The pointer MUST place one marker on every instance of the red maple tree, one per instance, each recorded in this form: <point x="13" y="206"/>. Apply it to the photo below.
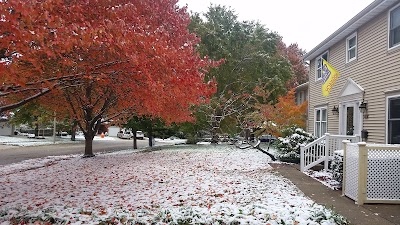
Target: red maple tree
<point x="102" y="59"/>
<point x="294" y="54"/>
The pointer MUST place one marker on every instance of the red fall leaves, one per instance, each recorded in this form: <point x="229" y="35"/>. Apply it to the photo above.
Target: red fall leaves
<point x="104" y="58"/>
<point x="140" y="51"/>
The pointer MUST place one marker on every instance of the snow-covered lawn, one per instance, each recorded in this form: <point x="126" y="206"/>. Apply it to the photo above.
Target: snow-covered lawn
<point x="173" y="141"/>
<point x="24" y="141"/>
<point x="179" y="185"/>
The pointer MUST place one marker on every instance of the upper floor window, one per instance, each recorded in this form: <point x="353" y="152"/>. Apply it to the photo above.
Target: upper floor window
<point x="394" y="27"/>
<point x="351" y="48"/>
<point x="319" y="65"/>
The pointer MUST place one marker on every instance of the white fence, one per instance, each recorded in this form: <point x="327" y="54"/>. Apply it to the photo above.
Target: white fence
<point x="322" y="149"/>
<point x="371" y="172"/>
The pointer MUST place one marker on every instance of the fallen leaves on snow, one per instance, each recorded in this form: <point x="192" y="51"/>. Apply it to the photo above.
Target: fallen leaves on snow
<point x="203" y="185"/>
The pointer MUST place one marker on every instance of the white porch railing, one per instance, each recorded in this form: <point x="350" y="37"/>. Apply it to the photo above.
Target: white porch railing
<point x="322" y="149"/>
<point x="371" y="173"/>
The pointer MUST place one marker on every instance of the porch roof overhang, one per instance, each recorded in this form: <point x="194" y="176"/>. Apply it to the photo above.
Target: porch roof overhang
<point x="351" y="91"/>
<point x="372" y="10"/>
<point x="302" y="87"/>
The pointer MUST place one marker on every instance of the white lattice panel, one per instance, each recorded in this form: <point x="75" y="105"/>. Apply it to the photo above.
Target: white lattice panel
<point x="383" y="177"/>
<point x="351" y="182"/>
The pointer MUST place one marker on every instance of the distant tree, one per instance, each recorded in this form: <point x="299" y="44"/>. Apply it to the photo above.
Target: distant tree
<point x="251" y="58"/>
<point x="102" y="60"/>
<point x="35" y="114"/>
<point x="32" y="115"/>
<point x="299" y="68"/>
<point x="144" y="123"/>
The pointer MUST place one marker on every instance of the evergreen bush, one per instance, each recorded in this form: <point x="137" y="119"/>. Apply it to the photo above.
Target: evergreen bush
<point x="337" y="168"/>
<point x="288" y="148"/>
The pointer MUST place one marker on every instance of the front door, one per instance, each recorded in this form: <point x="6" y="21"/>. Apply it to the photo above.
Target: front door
<point x="349" y="127"/>
<point x="350" y="119"/>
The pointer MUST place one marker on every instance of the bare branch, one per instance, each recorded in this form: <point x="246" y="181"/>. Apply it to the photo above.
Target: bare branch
<point x="24" y="101"/>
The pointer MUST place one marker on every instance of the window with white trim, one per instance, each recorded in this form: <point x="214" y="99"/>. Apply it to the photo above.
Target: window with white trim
<point x="393" y="120"/>
<point x="320" y="121"/>
<point x="394" y="27"/>
<point x="319" y="65"/>
<point x="301" y="97"/>
<point x="351" y="48"/>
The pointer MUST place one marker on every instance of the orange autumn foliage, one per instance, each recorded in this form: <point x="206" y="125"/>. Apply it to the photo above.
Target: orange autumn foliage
<point x="273" y="118"/>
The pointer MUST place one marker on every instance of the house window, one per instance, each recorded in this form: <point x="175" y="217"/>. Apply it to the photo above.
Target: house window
<point x="301" y="97"/>
<point x="320" y="122"/>
<point x="319" y="65"/>
<point x="351" y="47"/>
<point x="394" y="120"/>
<point x="394" y="27"/>
<point x="297" y="95"/>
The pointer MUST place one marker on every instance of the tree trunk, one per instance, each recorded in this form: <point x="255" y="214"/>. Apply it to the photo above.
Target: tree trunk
<point x="151" y="135"/>
<point x="134" y="140"/>
<point x="89" y="144"/>
<point x="73" y="131"/>
<point x="246" y="134"/>
<point x="37" y="129"/>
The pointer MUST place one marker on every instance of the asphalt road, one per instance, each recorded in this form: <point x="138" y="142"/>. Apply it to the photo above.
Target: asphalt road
<point x="13" y="154"/>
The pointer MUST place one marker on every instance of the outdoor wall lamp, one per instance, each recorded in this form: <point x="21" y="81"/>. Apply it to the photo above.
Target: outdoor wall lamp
<point x="335" y="110"/>
<point x="364" y="109"/>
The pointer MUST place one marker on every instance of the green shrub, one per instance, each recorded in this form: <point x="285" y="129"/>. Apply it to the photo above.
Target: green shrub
<point x="288" y="148"/>
<point x="337" y="168"/>
<point x="191" y="139"/>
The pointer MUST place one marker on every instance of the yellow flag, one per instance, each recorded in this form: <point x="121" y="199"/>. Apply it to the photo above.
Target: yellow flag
<point x="329" y="77"/>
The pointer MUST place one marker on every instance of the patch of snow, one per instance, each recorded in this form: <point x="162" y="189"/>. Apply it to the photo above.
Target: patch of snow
<point x="203" y="143"/>
<point x="173" y="141"/>
<point x="197" y="184"/>
<point x="339" y="152"/>
<point x="325" y="177"/>
<point x="25" y="141"/>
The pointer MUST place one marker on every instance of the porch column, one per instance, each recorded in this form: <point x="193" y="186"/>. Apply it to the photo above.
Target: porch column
<point x="327" y="151"/>
<point x="302" y="157"/>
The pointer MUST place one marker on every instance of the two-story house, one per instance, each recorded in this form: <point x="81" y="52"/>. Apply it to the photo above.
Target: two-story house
<point x="366" y="96"/>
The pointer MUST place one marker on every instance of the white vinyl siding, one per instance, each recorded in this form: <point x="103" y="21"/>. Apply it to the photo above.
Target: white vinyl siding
<point x="376" y="70"/>
<point x="320" y="123"/>
<point x="393" y="123"/>
<point x="394" y="27"/>
<point x="351" y="48"/>
<point x="319" y="65"/>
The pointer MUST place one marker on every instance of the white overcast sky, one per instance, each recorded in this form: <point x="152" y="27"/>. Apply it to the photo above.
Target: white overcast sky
<point x="305" y="22"/>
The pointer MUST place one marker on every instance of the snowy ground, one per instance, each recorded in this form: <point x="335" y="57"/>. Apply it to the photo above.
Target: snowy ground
<point x="180" y="185"/>
<point x="24" y="141"/>
<point x="325" y="177"/>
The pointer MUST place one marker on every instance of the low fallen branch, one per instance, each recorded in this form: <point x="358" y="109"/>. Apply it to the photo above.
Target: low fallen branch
<point x="263" y="151"/>
<point x="256" y="146"/>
